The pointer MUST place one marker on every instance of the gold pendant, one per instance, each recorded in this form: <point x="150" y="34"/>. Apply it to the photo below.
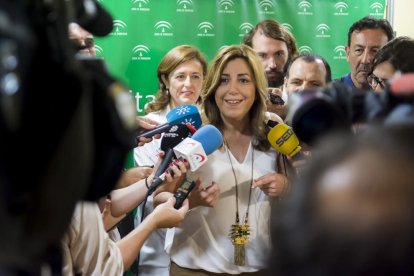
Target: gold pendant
<point x="239" y="235"/>
<point x="239" y="254"/>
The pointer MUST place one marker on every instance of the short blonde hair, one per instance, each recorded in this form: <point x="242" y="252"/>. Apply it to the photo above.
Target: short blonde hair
<point x="258" y="109"/>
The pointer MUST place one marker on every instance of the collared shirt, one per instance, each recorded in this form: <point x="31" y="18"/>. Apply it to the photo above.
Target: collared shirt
<point x="346" y="80"/>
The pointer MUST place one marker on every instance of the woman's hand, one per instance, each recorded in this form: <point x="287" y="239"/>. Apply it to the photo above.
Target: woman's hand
<point x="272" y="184"/>
<point x="207" y="197"/>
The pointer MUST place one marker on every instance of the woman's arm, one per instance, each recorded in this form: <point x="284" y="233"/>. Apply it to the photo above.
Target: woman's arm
<point x="163" y="216"/>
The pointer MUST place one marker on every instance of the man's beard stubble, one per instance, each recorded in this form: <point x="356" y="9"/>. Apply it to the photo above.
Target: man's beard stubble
<point x="276" y="79"/>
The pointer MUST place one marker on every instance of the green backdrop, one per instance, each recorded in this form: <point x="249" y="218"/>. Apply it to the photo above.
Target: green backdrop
<point x="144" y="30"/>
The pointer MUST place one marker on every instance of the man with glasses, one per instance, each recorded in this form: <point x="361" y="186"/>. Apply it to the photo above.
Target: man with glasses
<point x="365" y="38"/>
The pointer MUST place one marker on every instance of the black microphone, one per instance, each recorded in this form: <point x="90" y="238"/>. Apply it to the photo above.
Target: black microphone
<point x="183" y="114"/>
<point x="171" y="138"/>
<point x="195" y="150"/>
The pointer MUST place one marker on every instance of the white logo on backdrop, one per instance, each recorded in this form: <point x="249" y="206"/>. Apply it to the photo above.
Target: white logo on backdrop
<point x="185" y="6"/>
<point x="341" y="8"/>
<point x="376" y="7"/>
<point x="305" y="49"/>
<point x="288" y="27"/>
<point x="140" y="52"/>
<point x="140" y="5"/>
<point x="305" y="7"/>
<point x="226" y="6"/>
<point x="99" y="50"/>
<point x="205" y="29"/>
<point x="322" y="30"/>
<point x="119" y="28"/>
<point x="267" y="7"/>
<point x="340" y="52"/>
<point x="163" y="28"/>
<point x="245" y="28"/>
<point x="222" y="47"/>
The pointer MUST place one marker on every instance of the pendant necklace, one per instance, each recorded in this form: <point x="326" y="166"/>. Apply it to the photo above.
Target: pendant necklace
<point x="240" y="232"/>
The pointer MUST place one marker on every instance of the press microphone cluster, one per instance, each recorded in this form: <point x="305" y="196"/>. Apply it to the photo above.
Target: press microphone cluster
<point x="174" y="136"/>
<point x="194" y="149"/>
<point x="183" y="114"/>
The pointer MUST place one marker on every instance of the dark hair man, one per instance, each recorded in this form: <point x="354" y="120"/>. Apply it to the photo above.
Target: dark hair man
<point x="275" y="46"/>
<point x="365" y="38"/>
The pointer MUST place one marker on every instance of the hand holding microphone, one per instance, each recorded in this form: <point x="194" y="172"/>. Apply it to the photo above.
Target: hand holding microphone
<point x="183" y="114"/>
<point x="282" y="138"/>
<point x="171" y="138"/>
<point x="195" y="150"/>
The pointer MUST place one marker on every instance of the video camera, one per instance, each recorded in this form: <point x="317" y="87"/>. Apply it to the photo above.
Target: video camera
<point x="313" y="114"/>
<point x="66" y="126"/>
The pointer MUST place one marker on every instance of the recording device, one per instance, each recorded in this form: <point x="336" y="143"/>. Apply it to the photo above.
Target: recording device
<point x="313" y="114"/>
<point x="182" y="114"/>
<point x="210" y="139"/>
<point x="182" y="192"/>
<point x="283" y="139"/>
<point x="276" y="99"/>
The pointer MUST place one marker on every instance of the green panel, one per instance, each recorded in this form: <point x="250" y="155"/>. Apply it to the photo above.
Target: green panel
<point x="146" y="29"/>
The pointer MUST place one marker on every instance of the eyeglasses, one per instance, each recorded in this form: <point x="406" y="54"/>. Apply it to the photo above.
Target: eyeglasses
<point x="374" y="81"/>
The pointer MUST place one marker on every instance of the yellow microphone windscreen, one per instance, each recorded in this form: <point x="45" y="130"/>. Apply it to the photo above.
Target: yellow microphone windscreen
<point x="284" y="140"/>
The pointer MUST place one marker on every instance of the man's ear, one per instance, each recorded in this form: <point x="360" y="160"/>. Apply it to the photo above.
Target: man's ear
<point x="347" y="50"/>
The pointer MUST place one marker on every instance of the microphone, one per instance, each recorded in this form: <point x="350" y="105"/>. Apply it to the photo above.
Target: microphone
<point x="283" y="139"/>
<point x="183" y="114"/>
<point x="195" y="149"/>
<point x="209" y="137"/>
<point x="171" y="138"/>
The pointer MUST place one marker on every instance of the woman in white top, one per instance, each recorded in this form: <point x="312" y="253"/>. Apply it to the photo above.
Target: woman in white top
<point x="180" y="76"/>
<point x="233" y="237"/>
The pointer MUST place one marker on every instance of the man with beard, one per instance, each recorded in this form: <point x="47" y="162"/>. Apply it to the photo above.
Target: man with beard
<point x="275" y="46"/>
<point x="365" y="38"/>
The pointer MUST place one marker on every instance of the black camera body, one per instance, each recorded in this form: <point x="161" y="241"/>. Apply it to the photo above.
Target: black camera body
<point x="62" y="136"/>
<point x="313" y="114"/>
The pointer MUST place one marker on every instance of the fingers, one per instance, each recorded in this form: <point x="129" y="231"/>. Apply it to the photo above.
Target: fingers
<point x="142" y="141"/>
<point x="176" y="170"/>
<point x="184" y="207"/>
<point x="146" y="123"/>
<point x="273" y="184"/>
<point x="211" y="194"/>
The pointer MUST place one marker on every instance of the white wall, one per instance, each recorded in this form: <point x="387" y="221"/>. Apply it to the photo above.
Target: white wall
<point x="404" y="17"/>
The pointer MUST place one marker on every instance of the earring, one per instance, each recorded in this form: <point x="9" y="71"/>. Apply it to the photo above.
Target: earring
<point x="167" y="91"/>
